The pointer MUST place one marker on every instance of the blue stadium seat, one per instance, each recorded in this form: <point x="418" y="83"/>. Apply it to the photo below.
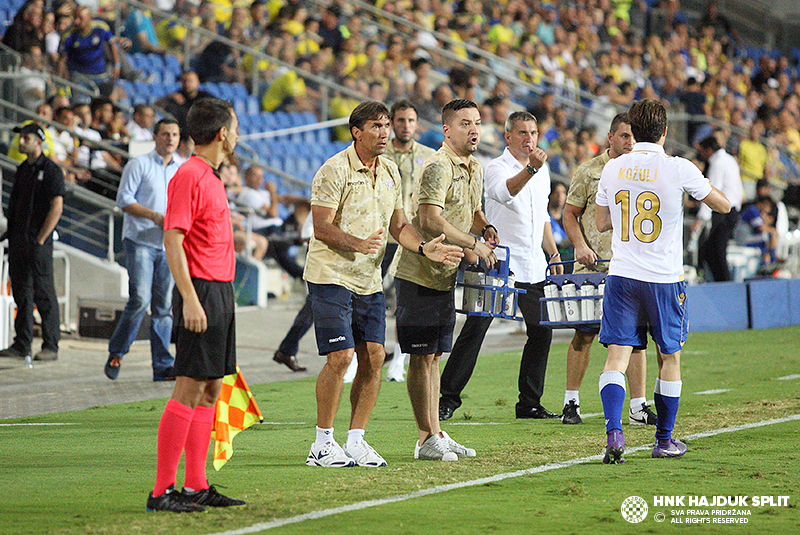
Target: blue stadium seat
<point x="172" y="64"/>
<point x="240" y="107"/>
<point x="239" y="90"/>
<point x="253" y="105"/>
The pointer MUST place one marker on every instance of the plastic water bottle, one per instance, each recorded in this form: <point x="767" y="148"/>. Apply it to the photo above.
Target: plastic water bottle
<point x="28" y="363"/>
<point x="571" y="310"/>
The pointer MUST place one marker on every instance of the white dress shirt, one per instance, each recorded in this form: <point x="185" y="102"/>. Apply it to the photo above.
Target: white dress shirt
<point x="519" y="219"/>
<point x="723" y="173"/>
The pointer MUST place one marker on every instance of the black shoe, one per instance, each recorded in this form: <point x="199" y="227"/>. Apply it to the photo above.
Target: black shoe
<point x="210" y="497"/>
<point x="570" y="414"/>
<point x="445" y="412"/>
<point x="46" y="354"/>
<point x="13" y="352"/>
<point x="289" y="360"/>
<point x="644" y="416"/>
<point x="113" y="364"/>
<point x="167" y="374"/>
<point x="535" y="413"/>
<point x="174" y="501"/>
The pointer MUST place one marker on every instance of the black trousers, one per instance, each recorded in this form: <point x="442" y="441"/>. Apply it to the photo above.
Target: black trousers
<point x="532" y="368"/>
<point x="31" y="272"/>
<point x="714" y="250"/>
<point x="302" y="323"/>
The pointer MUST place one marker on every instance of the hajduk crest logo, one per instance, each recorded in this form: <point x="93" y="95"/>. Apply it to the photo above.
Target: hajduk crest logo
<point x="634" y="509"/>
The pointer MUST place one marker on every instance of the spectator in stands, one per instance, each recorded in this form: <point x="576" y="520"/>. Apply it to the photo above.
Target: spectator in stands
<point x="34" y="208"/>
<point x="262" y="196"/>
<point x="102" y="110"/>
<point x="758" y="228"/>
<point x="139" y="28"/>
<point x="177" y="104"/>
<point x="431" y="110"/>
<point x="140" y="127"/>
<point x="259" y="20"/>
<point x="752" y="159"/>
<point x="32" y="85"/>
<point x="82" y="49"/>
<point x="142" y="195"/>
<point x="26" y="30"/>
<point x="329" y="29"/>
<point x="555" y="208"/>
<point x="185" y="148"/>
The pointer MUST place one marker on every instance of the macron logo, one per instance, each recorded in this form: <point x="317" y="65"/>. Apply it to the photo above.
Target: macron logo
<point x="337" y="339"/>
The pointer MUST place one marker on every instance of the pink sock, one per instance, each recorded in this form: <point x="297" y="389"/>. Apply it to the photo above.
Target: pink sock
<point x="196" y="447"/>
<point x="172" y="431"/>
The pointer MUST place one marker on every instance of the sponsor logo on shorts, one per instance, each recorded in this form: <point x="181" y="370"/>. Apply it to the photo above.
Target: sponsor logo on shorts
<point x="419" y="345"/>
<point x="341" y="338"/>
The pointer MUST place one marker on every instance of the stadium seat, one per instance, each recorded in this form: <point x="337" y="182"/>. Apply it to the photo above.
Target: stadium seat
<point x="172" y="64"/>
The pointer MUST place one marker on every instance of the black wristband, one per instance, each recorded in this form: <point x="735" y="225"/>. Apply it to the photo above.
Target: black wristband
<point x="487" y="227"/>
<point x="421" y="251"/>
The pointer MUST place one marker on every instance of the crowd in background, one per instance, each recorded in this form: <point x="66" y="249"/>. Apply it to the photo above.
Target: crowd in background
<point x="545" y="57"/>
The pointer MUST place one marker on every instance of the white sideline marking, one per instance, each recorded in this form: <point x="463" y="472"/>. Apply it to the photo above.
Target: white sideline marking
<point x="715" y="391"/>
<point x="263" y="526"/>
<point x="788" y="377"/>
<point x="282" y="423"/>
<point x="480" y="423"/>
<point x="39" y="424"/>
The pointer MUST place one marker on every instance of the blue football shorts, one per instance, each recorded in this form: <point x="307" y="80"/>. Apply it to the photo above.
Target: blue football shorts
<point x="630" y="307"/>
<point x="342" y="318"/>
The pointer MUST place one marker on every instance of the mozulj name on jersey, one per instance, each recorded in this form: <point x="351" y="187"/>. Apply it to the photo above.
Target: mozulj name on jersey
<point x="634" y="174"/>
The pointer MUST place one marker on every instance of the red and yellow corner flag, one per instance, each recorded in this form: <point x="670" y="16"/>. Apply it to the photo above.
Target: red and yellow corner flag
<point x="236" y="411"/>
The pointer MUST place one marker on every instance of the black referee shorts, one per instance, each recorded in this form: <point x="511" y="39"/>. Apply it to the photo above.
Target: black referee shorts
<point x="210" y="354"/>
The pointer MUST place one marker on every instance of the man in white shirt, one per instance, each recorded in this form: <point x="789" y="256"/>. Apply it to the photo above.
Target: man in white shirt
<point x="140" y="127"/>
<point x="640" y="197"/>
<point x="723" y="173"/>
<point x="517" y="186"/>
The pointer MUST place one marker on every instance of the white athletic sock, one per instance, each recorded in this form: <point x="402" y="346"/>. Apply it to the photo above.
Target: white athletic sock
<point x="636" y="404"/>
<point x="353" y="436"/>
<point x="571" y="395"/>
<point x="324" y="435"/>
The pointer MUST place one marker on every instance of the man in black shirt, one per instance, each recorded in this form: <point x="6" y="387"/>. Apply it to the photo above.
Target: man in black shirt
<point x="34" y="208"/>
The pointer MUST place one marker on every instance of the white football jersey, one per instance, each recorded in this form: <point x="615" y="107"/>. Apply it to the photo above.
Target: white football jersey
<point x="644" y="193"/>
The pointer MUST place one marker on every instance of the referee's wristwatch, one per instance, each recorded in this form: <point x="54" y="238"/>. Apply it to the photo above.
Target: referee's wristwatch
<point x="531" y="169"/>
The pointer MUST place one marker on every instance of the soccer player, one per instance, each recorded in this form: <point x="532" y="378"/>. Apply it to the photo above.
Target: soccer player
<point x="591" y="245"/>
<point x="640" y="197"/>
<point x="198" y="239"/>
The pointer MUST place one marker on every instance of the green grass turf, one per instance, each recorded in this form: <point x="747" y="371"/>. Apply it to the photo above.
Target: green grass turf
<point x="93" y="475"/>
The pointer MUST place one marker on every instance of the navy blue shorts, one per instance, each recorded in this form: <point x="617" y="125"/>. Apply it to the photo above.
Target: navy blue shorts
<point x="342" y="318"/>
<point x="425" y="319"/>
<point x="212" y="353"/>
<point x="631" y="306"/>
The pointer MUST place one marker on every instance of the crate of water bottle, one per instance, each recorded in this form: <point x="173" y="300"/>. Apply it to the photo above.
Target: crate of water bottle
<point x="490" y="292"/>
<point x="572" y="299"/>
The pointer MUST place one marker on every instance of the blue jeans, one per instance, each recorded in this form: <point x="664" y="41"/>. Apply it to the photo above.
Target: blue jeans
<point x="149" y="283"/>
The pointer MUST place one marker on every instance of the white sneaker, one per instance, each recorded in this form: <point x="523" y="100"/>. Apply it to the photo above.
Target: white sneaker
<point x="350" y="374"/>
<point x="396" y="369"/>
<point x="330" y="455"/>
<point x="364" y="454"/>
<point x="457" y="448"/>
<point x="434" y="449"/>
<point x="643" y="416"/>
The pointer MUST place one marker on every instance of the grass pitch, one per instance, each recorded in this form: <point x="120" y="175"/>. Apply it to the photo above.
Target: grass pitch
<point x="92" y="474"/>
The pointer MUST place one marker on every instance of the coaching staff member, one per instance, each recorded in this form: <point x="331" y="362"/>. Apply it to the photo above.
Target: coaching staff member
<point x="355" y="197"/>
<point x="34" y="208"/>
<point x="449" y="195"/>
<point x="198" y="239"/>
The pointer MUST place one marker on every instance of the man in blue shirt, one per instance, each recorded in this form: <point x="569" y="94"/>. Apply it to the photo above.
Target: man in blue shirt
<point x="81" y="51"/>
<point x="142" y="195"/>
